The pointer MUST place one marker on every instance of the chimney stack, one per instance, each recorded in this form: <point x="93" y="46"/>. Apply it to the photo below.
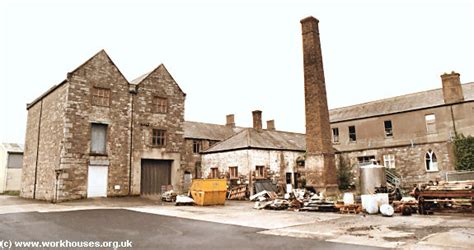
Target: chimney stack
<point x="271" y="125"/>
<point x="452" y="89"/>
<point x="257" y="119"/>
<point x="230" y="122"/>
<point x="320" y="163"/>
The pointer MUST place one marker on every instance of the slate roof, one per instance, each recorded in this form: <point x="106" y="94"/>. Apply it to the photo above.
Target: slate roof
<point x="265" y="139"/>
<point x="200" y="130"/>
<point x="414" y="101"/>
<point x="13" y="147"/>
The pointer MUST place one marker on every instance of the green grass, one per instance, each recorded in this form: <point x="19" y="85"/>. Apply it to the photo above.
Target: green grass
<point x="13" y="193"/>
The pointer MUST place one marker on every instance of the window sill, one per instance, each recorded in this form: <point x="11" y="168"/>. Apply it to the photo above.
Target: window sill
<point x="98" y="154"/>
<point x="432" y="171"/>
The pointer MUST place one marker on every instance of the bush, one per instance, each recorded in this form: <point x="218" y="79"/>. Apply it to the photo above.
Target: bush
<point x="464" y="152"/>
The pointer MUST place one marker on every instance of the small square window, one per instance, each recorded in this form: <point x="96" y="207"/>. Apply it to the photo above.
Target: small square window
<point x="100" y="97"/>
<point x="158" y="138"/>
<point x="430" y="123"/>
<point x="389" y="161"/>
<point x="260" y="172"/>
<point x="197" y="144"/>
<point x="160" y="105"/>
<point x="233" y="172"/>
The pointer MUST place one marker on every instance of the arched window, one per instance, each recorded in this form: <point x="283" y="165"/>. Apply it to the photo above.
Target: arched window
<point x="431" y="161"/>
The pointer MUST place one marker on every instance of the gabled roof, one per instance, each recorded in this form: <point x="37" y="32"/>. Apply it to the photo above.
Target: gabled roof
<point x="12" y="147"/>
<point x="49" y="91"/>
<point x="264" y="139"/>
<point x="141" y="78"/>
<point x="208" y="131"/>
<point x="409" y="102"/>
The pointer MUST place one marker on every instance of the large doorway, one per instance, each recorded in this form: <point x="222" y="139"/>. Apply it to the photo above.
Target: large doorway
<point x="155" y="174"/>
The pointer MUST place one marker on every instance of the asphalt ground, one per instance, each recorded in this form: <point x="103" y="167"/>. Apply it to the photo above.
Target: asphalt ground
<point x="147" y="231"/>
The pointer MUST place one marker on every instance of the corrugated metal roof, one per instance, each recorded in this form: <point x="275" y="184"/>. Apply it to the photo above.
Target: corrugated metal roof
<point x="13" y="147"/>
<point x="264" y="139"/>
<point x="414" y="101"/>
<point x="200" y="130"/>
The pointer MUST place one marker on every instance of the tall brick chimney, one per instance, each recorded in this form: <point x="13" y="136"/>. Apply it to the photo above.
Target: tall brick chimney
<point x="271" y="125"/>
<point x="320" y="163"/>
<point x="452" y="89"/>
<point x="230" y="122"/>
<point x="257" y="119"/>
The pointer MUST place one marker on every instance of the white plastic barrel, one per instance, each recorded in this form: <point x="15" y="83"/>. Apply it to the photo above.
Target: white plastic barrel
<point x="370" y="203"/>
<point x="386" y="210"/>
<point x="382" y="198"/>
<point x="348" y="198"/>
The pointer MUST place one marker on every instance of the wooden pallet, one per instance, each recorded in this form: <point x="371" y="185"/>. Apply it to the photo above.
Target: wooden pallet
<point x="350" y="209"/>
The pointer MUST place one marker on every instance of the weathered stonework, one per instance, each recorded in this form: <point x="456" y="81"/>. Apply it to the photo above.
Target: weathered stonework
<point x="61" y="120"/>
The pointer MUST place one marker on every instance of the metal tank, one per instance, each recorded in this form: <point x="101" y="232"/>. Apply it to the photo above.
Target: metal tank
<point x="372" y="176"/>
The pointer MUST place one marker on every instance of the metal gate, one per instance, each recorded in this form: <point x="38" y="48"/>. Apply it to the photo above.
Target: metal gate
<point x="155" y="173"/>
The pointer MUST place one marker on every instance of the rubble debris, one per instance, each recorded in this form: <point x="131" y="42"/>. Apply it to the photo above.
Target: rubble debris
<point x="264" y="196"/>
<point x="237" y="193"/>
<point x="261" y="185"/>
<point x="450" y="196"/>
<point x="169" y="196"/>
<point x="319" y="203"/>
<point x="406" y="206"/>
<point x="350" y="209"/>
<point x="277" y="204"/>
<point x="184" y="200"/>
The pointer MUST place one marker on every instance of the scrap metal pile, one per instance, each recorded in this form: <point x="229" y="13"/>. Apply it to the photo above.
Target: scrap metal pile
<point x="296" y="200"/>
<point x="445" y="196"/>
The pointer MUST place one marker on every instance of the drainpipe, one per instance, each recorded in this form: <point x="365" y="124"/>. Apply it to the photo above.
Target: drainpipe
<point x="133" y="92"/>
<point x="37" y="149"/>
<point x="452" y="120"/>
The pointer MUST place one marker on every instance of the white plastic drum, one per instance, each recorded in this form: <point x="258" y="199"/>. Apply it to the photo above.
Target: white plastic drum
<point x="348" y="198"/>
<point x="386" y="210"/>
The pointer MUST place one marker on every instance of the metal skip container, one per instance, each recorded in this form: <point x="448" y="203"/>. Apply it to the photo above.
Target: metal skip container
<point x="372" y="176"/>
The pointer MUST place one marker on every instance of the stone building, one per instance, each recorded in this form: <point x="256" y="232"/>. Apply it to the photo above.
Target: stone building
<point x="11" y="162"/>
<point x="95" y="134"/>
<point x="256" y="153"/>
<point x="410" y="134"/>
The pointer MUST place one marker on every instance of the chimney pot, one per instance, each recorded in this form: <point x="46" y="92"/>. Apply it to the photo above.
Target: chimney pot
<point x="230" y="122"/>
<point x="271" y="125"/>
<point x="257" y="119"/>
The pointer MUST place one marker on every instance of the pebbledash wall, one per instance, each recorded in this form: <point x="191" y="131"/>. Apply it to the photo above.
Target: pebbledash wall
<point x="58" y="136"/>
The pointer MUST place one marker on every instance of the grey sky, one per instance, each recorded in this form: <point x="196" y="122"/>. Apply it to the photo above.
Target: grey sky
<point x="235" y="57"/>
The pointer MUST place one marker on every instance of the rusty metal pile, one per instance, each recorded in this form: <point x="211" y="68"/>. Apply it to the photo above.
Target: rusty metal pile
<point x="445" y="196"/>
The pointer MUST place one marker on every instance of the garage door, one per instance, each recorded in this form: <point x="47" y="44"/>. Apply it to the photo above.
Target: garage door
<point x="155" y="173"/>
<point x="97" y="181"/>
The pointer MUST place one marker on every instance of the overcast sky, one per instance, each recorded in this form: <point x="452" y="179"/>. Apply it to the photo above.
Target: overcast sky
<point x="235" y="57"/>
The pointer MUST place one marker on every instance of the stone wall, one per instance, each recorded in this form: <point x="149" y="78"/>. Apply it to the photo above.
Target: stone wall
<point x="99" y="71"/>
<point x="49" y="113"/>
<point x="277" y="163"/>
<point x="158" y="83"/>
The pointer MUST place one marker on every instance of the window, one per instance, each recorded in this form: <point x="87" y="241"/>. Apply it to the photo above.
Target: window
<point x="389" y="161"/>
<point x="260" y="172"/>
<point x="352" y="134"/>
<point x="214" y="173"/>
<point x="158" y="137"/>
<point x="431" y="161"/>
<point x="100" y="97"/>
<point x="233" y="173"/>
<point x="364" y="160"/>
<point x="98" y="138"/>
<point x="15" y="160"/>
<point x="197" y="146"/>
<point x="388" y="128"/>
<point x="197" y="169"/>
<point x="160" y="105"/>
<point x="430" y="123"/>
<point x="335" y="135"/>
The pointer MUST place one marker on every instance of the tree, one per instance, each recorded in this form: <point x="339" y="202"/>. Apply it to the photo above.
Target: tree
<point x="464" y="152"/>
<point x="344" y="174"/>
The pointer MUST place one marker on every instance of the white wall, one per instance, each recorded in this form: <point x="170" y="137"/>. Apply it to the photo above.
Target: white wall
<point x="3" y="169"/>
<point x="247" y="159"/>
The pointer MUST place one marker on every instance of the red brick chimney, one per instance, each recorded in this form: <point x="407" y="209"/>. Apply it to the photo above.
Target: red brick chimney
<point x="230" y="122"/>
<point x="452" y="89"/>
<point x="257" y="119"/>
<point x="320" y="163"/>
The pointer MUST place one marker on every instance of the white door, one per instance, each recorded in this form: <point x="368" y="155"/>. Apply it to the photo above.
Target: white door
<point x="97" y="181"/>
